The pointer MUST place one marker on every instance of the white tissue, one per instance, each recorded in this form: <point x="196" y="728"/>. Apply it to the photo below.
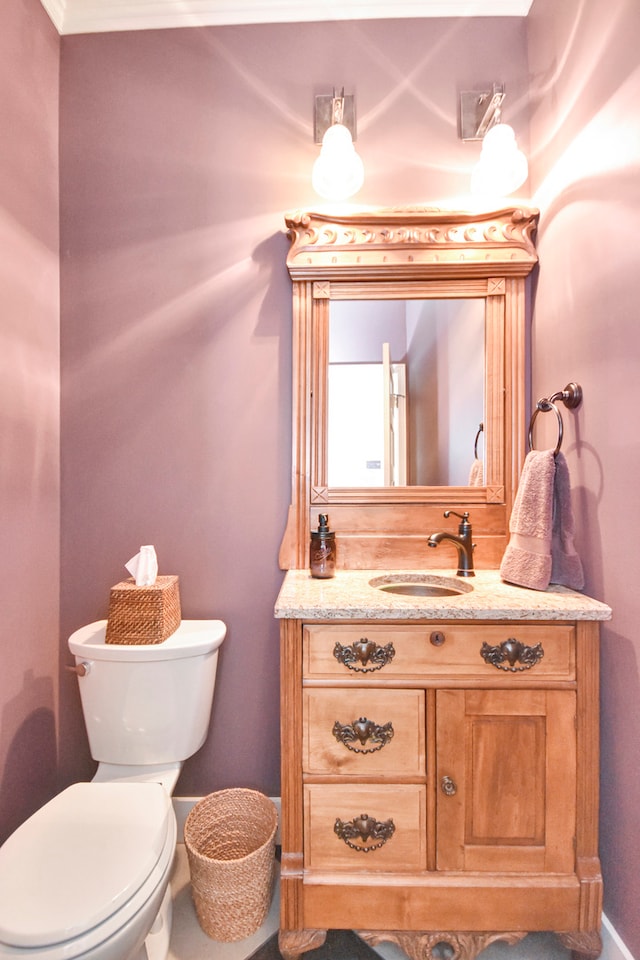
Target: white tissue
<point x="144" y="566"/>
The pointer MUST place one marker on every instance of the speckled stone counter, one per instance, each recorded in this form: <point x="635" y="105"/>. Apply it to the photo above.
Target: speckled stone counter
<point x="350" y="596"/>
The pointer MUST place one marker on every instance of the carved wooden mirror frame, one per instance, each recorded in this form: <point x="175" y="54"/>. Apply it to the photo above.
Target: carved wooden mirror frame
<point x="407" y="254"/>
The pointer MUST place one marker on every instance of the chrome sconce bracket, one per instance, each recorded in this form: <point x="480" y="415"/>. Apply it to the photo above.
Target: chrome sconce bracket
<point x="479" y="111"/>
<point x="325" y="114"/>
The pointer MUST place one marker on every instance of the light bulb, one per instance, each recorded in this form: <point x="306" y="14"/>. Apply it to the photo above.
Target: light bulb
<point x="502" y="167"/>
<point x="338" y="172"/>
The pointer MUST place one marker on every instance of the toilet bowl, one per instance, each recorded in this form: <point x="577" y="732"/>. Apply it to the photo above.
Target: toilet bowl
<point x="87" y="876"/>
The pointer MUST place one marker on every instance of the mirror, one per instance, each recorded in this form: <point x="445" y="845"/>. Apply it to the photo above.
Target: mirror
<point x="405" y="392"/>
<point x="408" y="334"/>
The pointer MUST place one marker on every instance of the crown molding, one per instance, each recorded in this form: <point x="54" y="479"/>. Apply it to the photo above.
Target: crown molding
<point x="411" y="242"/>
<point x="103" y="16"/>
<point x="55" y="9"/>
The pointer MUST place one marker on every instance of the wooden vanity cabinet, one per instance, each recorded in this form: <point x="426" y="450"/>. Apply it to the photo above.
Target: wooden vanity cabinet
<point x="439" y="756"/>
<point x="439" y="783"/>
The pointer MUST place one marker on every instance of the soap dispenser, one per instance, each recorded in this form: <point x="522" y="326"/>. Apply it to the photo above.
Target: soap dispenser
<point x="322" y="551"/>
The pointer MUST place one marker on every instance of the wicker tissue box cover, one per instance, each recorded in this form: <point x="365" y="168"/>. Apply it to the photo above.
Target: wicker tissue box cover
<point x="143" y="614"/>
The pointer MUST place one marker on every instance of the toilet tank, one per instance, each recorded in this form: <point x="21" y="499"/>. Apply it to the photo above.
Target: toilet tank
<point x="147" y="703"/>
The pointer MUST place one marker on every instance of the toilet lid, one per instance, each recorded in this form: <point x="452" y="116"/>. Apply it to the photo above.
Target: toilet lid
<point x="79" y="859"/>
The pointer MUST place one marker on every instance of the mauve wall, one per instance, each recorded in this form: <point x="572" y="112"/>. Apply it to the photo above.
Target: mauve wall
<point x="585" y="137"/>
<point x="180" y="152"/>
<point x="29" y="410"/>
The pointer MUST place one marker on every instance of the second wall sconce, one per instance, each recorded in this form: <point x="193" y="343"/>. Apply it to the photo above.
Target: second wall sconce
<point x="338" y="172"/>
<point x="502" y="167"/>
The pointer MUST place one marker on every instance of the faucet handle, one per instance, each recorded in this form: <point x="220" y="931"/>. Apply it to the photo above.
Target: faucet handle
<point x="463" y="516"/>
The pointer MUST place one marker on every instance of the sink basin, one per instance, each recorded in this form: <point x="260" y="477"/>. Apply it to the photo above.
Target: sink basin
<point x="421" y="585"/>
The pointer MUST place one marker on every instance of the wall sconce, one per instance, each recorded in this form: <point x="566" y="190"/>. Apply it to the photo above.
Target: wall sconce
<point x="502" y="167"/>
<point x="338" y="172"/>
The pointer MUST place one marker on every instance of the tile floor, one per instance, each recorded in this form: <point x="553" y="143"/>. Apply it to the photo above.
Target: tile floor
<point x="189" y="942"/>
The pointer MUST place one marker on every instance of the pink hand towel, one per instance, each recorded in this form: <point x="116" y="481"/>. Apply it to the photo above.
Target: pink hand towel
<point x="566" y="567"/>
<point x="527" y="559"/>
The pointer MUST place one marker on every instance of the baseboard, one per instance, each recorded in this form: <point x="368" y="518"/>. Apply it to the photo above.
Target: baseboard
<point x="183" y="805"/>
<point x="613" y="947"/>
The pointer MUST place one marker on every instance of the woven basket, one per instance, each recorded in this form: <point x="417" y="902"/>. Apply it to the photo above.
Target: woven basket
<point x="143" y="614"/>
<point x="230" y="841"/>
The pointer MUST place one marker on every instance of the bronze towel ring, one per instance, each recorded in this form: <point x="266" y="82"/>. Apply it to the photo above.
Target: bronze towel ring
<point x="475" y="443"/>
<point x="545" y="405"/>
<point x="571" y="396"/>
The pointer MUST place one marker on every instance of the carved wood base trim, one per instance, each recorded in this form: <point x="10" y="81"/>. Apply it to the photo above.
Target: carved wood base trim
<point x="292" y="943"/>
<point x="447" y="945"/>
<point x="584" y="944"/>
<point x="439" y="945"/>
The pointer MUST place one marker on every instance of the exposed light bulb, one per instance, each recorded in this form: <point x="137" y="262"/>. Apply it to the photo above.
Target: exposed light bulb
<point x="338" y="172"/>
<point x="502" y="167"/>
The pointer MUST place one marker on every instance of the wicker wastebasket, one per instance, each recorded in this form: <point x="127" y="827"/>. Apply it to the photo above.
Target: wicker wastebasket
<point x="230" y="841"/>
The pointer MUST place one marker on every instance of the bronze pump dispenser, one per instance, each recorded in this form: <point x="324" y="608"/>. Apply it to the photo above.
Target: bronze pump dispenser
<point x="322" y="550"/>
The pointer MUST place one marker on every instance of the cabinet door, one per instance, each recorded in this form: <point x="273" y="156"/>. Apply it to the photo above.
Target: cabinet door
<point x="506" y="780"/>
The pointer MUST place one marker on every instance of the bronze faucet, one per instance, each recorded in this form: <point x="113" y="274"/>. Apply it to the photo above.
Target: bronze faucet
<point x="462" y="542"/>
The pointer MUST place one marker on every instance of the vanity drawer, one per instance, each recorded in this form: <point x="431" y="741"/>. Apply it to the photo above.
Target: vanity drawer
<point x="388" y="821"/>
<point x="362" y="732"/>
<point x="510" y="652"/>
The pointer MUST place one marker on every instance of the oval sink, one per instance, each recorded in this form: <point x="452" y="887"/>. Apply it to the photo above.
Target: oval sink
<point x="419" y="590"/>
<point x="420" y="585"/>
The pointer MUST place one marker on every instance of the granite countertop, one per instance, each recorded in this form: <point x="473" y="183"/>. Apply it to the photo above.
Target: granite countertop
<point x="349" y="595"/>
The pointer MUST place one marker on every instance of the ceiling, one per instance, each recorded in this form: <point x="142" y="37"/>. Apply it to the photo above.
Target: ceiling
<point x="100" y="16"/>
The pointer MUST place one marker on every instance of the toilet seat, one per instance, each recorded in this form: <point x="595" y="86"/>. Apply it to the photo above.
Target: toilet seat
<point x="82" y="866"/>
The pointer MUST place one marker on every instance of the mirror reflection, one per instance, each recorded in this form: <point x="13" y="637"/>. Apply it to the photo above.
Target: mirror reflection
<point x="406" y="392"/>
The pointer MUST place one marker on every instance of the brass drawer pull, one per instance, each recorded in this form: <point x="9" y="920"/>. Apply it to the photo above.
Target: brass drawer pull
<point x="365" y="828"/>
<point x="448" y="787"/>
<point x="513" y="652"/>
<point x="363" y="652"/>
<point x="363" y="730"/>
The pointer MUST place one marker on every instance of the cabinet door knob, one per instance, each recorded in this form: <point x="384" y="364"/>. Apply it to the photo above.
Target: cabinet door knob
<point x="437" y="638"/>
<point x="448" y="787"/>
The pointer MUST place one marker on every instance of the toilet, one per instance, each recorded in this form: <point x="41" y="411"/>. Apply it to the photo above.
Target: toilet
<point x="87" y="876"/>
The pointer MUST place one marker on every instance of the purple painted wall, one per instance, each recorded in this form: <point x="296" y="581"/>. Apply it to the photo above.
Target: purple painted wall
<point x="29" y="410"/>
<point x="585" y="133"/>
<point x="180" y="152"/>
